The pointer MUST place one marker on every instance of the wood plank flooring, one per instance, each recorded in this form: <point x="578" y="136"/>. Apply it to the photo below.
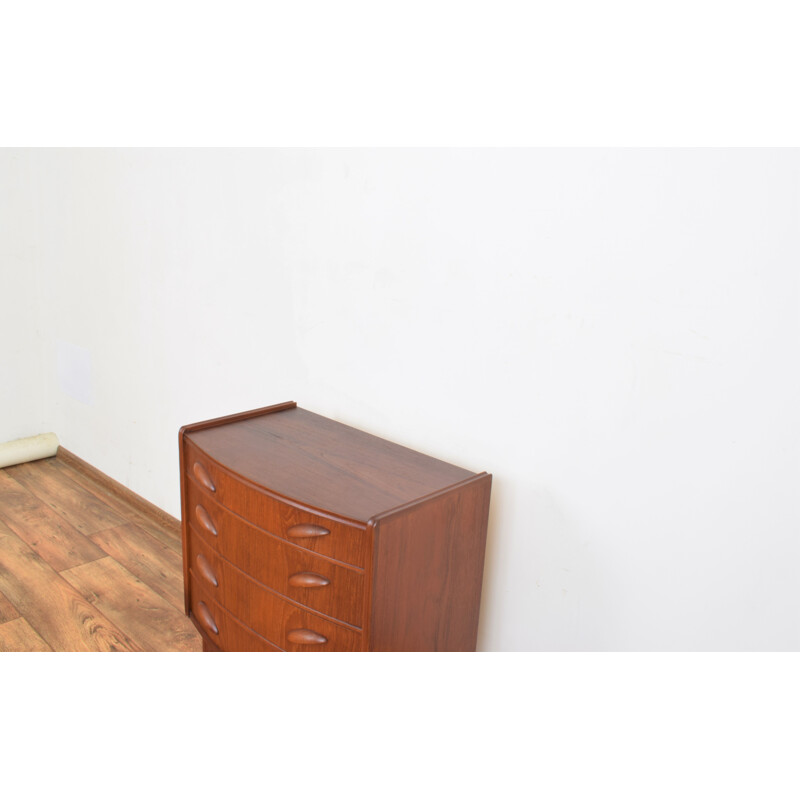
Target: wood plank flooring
<point x="81" y="569"/>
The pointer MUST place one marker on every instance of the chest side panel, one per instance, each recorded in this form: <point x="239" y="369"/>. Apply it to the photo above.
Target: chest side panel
<point x="428" y="571"/>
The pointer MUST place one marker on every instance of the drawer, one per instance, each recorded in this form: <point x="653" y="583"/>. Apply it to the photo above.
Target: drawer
<point x="282" y="623"/>
<point x="320" y="534"/>
<point x="311" y="580"/>
<point x="225" y="631"/>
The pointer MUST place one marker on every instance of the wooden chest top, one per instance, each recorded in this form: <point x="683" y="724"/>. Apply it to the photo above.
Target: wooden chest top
<point x="323" y="463"/>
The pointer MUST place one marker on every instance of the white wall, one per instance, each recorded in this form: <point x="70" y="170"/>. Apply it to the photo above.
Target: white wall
<point x="21" y="376"/>
<point x="612" y="334"/>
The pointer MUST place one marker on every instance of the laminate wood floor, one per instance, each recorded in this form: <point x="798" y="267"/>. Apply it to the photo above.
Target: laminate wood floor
<point x="81" y="569"/>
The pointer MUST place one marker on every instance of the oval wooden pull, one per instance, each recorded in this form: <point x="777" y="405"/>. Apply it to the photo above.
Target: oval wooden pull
<point x="204" y="518"/>
<point x="307" y="580"/>
<point x="305" y="530"/>
<point x="201" y="473"/>
<point x="304" y="636"/>
<point x="204" y="615"/>
<point x="206" y="570"/>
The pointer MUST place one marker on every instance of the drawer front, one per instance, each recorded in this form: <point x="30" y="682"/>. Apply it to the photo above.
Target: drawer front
<point x="222" y="629"/>
<point x="339" y="540"/>
<point x="280" y="622"/>
<point x="308" y="579"/>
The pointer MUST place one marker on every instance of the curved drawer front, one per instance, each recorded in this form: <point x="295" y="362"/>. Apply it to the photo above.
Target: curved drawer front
<point x="301" y="576"/>
<point x="222" y="629"/>
<point x="269" y="615"/>
<point x="328" y="537"/>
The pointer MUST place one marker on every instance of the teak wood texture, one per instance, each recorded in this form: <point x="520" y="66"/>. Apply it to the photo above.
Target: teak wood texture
<point x="86" y="565"/>
<point x="301" y="533"/>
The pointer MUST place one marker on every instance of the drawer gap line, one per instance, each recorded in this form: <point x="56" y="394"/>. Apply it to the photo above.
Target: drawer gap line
<point x="278" y="594"/>
<point x="308" y="509"/>
<point x="299" y="547"/>
<point x="225" y="612"/>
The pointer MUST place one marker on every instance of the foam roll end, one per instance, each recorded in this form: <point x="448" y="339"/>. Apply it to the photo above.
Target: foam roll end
<point x="45" y="445"/>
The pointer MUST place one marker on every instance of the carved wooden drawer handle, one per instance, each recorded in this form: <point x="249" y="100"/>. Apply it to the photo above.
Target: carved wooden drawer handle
<point x="305" y="530"/>
<point x="304" y="636"/>
<point x="204" y="518"/>
<point x="201" y="473"/>
<point x="204" y="615"/>
<point x="206" y="570"/>
<point x="307" y="580"/>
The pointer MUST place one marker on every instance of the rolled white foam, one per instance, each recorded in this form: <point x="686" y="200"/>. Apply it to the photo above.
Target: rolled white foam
<point x="34" y="447"/>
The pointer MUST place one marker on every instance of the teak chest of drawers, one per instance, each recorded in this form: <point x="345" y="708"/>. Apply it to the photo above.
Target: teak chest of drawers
<point x="300" y="533"/>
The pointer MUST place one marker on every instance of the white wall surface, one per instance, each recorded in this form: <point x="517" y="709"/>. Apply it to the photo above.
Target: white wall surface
<point x="613" y="334"/>
<point x="21" y="376"/>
